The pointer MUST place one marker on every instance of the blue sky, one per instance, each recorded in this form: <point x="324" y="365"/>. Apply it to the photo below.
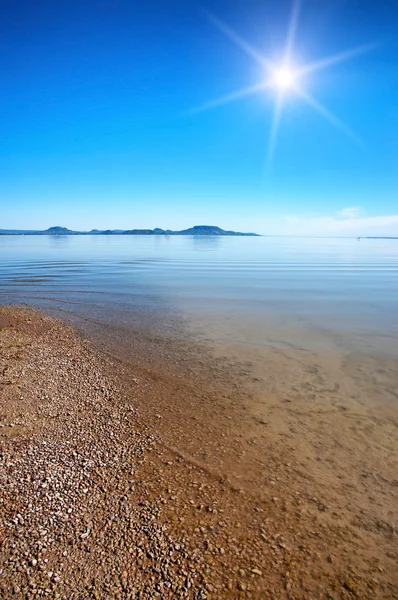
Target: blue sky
<point x="99" y="130"/>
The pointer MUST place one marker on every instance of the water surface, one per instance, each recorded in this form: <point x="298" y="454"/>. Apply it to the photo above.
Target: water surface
<point x="248" y="291"/>
<point x="269" y="361"/>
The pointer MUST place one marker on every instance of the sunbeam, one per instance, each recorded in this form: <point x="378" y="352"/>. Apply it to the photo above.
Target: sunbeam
<point x="276" y="118"/>
<point x="336" y="58"/>
<point x="233" y="97"/>
<point x="240" y="42"/>
<point x="291" y="34"/>
<point x="329" y="116"/>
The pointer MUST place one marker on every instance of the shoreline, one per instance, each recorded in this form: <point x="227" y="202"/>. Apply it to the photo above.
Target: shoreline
<point x="159" y="471"/>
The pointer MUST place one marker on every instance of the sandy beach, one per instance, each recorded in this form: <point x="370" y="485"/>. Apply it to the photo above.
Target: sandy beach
<point x="173" y="476"/>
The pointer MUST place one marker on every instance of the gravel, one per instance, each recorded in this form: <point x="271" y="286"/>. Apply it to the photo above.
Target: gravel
<point x="69" y="528"/>
<point x="94" y="504"/>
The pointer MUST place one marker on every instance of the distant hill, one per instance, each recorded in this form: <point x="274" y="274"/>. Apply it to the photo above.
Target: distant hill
<point x="57" y="231"/>
<point x="202" y="230"/>
<point x="197" y="230"/>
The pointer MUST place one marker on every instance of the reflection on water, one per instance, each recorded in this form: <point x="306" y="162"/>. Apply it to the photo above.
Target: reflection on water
<point x="208" y="242"/>
<point x="234" y="290"/>
<point x="59" y="240"/>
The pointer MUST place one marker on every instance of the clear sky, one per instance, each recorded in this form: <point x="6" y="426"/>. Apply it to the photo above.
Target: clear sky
<point x="99" y="128"/>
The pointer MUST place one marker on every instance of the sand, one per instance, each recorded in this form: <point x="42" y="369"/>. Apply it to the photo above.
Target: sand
<point x="177" y="475"/>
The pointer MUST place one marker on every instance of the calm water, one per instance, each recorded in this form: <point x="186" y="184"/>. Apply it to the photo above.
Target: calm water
<point x="245" y="290"/>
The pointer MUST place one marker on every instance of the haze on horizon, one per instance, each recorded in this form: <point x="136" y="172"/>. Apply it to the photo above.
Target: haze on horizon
<point x="99" y="126"/>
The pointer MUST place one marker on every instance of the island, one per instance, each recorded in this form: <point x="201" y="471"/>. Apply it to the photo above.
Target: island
<point x="197" y="230"/>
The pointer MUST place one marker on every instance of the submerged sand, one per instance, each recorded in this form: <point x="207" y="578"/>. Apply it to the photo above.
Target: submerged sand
<point x="174" y="477"/>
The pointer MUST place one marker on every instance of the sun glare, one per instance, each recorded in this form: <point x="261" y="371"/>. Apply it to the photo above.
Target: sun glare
<point x="284" y="78"/>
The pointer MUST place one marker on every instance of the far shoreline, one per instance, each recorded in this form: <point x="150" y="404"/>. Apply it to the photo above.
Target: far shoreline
<point x="196" y="230"/>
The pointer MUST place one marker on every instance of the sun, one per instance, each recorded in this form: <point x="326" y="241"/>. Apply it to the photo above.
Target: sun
<point x="284" y="78"/>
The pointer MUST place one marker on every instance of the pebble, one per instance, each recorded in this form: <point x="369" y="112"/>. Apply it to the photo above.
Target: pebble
<point x="79" y="523"/>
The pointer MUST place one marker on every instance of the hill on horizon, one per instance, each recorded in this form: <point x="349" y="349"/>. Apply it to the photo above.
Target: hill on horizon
<point x="197" y="230"/>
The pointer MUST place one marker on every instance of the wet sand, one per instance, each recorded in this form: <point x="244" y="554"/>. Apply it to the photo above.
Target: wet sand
<point x="190" y="470"/>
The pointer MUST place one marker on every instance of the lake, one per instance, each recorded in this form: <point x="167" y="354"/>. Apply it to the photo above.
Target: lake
<point x="270" y="363"/>
<point x="245" y="290"/>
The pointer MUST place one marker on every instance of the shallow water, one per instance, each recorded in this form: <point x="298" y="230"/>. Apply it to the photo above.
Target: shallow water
<point x="245" y="291"/>
<point x="268" y="363"/>
<point x="296" y="353"/>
